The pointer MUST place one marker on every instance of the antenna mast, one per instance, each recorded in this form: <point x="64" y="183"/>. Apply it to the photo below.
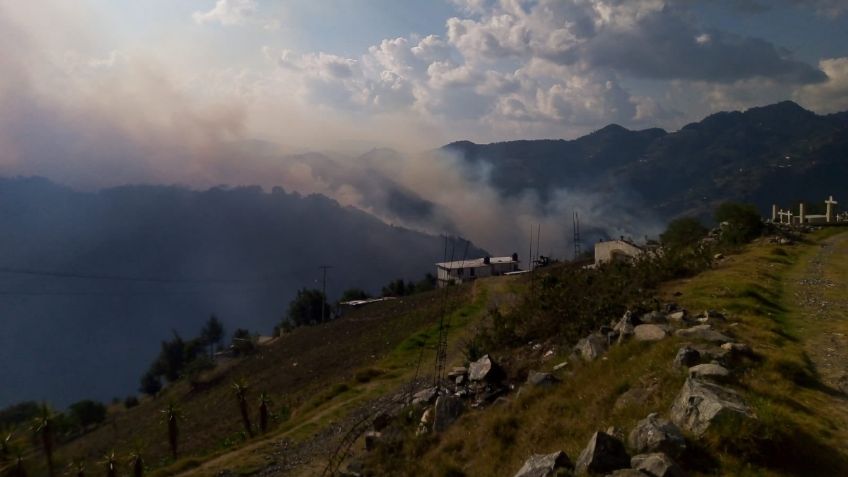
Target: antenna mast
<point x="577" y="242"/>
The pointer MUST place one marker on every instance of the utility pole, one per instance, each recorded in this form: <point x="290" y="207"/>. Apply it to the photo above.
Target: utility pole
<point x="577" y="241"/>
<point x="324" y="268"/>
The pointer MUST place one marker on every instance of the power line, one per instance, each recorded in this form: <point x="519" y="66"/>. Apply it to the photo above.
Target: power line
<point x="129" y="278"/>
<point x="129" y="293"/>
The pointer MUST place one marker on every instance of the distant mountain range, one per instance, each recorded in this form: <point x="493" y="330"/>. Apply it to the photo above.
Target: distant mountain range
<point x="779" y="153"/>
<point x="167" y="257"/>
<point x="91" y="282"/>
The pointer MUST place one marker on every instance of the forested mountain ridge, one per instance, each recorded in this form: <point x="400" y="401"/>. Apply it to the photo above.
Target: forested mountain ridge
<point x="88" y="275"/>
<point x="763" y="155"/>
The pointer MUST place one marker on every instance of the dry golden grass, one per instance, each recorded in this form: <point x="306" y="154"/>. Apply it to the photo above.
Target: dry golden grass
<point x="802" y="426"/>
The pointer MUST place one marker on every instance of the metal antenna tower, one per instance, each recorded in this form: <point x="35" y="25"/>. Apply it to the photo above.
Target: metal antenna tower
<point x="324" y="268"/>
<point x="575" y="220"/>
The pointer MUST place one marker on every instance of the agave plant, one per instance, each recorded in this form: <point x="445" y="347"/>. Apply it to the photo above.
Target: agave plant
<point x="264" y="403"/>
<point x="137" y="464"/>
<point x="240" y="387"/>
<point x="111" y="464"/>
<point x="44" y="428"/>
<point x="172" y="417"/>
<point x="20" y="469"/>
<point x="6" y="445"/>
<point x="77" y="468"/>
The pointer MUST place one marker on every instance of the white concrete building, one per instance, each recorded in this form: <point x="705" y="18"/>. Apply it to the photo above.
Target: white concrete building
<point x="460" y="271"/>
<point x="620" y="250"/>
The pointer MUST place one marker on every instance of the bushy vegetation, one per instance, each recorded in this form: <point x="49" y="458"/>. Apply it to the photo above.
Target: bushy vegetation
<point x="567" y="302"/>
<point x="740" y="223"/>
<point x="179" y="358"/>
<point x="400" y="288"/>
<point x="682" y="233"/>
<point x="307" y="308"/>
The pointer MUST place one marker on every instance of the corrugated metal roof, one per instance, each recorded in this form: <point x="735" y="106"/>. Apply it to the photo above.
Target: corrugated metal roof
<point x="475" y="263"/>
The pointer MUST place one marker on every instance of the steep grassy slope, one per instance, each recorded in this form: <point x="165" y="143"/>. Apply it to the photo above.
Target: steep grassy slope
<point x="322" y="376"/>
<point x="303" y="371"/>
<point x="802" y="420"/>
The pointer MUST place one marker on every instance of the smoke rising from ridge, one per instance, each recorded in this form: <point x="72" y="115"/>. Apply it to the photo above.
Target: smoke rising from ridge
<point x="98" y="121"/>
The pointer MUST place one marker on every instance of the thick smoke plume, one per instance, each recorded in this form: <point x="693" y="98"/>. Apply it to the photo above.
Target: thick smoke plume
<point x="122" y="118"/>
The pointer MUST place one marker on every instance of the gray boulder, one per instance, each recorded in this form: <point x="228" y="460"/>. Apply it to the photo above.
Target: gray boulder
<point x="603" y="454"/>
<point x="654" y="318"/>
<point x="686" y="357"/>
<point x="656" y="465"/>
<point x="485" y="369"/>
<point x="703" y="333"/>
<point x="842" y="383"/>
<point x="536" y="378"/>
<point x="700" y="404"/>
<point x="591" y="347"/>
<point x="457" y="371"/>
<point x="738" y="349"/>
<point x="544" y="465"/>
<point x="679" y="316"/>
<point x="650" y="332"/>
<point x="424" y="396"/>
<point x="655" y="434"/>
<point x="709" y="371"/>
<point x="627" y="473"/>
<point x="446" y="411"/>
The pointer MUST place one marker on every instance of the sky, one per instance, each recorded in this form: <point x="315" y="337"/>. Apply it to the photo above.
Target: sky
<point x="332" y="74"/>
<point x="97" y="93"/>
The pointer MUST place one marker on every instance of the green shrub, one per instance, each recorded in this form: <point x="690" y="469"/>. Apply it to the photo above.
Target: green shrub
<point x="366" y="375"/>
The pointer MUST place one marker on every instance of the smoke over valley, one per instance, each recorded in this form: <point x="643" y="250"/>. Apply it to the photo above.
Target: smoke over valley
<point x="164" y="161"/>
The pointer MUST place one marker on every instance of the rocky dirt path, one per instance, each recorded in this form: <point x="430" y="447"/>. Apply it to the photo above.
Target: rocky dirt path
<point x="819" y="296"/>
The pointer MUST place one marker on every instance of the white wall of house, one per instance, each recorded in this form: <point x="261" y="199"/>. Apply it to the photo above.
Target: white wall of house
<point x="615" y="250"/>
<point x="458" y="272"/>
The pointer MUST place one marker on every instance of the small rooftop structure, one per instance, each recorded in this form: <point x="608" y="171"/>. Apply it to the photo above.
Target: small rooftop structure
<point x="460" y="271"/>
<point x="367" y="301"/>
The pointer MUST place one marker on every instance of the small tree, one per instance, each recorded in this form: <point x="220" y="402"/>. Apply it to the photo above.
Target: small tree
<point x="398" y="288"/>
<point x="150" y="384"/>
<point x="426" y="284"/>
<point x="243" y="342"/>
<point x="212" y="334"/>
<point x="87" y="412"/>
<point x="743" y="222"/>
<point x="130" y="402"/>
<point x="352" y="294"/>
<point x="306" y="307"/>
<point x="683" y="232"/>
<point x="240" y="388"/>
<point x="171" y="358"/>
